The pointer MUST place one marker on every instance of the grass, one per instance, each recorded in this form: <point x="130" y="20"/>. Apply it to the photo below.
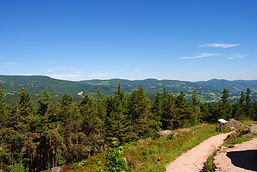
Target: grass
<point x="209" y="166"/>
<point x="248" y="122"/>
<point x="144" y="156"/>
<point x="239" y="139"/>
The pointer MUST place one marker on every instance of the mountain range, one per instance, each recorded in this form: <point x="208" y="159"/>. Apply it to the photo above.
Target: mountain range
<point x="207" y="90"/>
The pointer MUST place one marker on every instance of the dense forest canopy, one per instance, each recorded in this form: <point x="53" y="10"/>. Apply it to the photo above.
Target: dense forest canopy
<point x="39" y="136"/>
<point x="207" y="90"/>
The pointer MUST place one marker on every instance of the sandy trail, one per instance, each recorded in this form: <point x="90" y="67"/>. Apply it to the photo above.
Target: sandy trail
<point x="242" y="157"/>
<point x="194" y="159"/>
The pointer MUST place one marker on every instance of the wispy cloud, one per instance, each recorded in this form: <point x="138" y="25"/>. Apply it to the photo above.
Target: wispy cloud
<point x="7" y="65"/>
<point x="202" y="55"/>
<point x="236" y="56"/>
<point x="101" y="75"/>
<point x="67" y="76"/>
<point x="59" y="68"/>
<point x="219" y="45"/>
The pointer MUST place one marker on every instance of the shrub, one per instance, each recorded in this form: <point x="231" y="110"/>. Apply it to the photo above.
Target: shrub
<point x="115" y="157"/>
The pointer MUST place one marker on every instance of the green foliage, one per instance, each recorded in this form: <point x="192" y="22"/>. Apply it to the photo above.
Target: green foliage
<point x="209" y="166"/>
<point x="208" y="90"/>
<point x="115" y="158"/>
<point x="50" y="133"/>
<point x="19" y="168"/>
<point x="139" y="111"/>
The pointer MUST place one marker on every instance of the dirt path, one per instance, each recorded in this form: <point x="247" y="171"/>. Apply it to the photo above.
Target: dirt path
<point x="194" y="159"/>
<point x="242" y="157"/>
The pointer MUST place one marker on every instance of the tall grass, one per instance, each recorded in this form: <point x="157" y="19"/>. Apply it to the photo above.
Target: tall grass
<point x="144" y="157"/>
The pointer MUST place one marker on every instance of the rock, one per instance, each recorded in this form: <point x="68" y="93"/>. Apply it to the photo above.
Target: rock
<point x="232" y="135"/>
<point x="56" y="169"/>
<point x="253" y="128"/>
<point x="163" y="133"/>
<point x="233" y="124"/>
<point x="184" y="130"/>
<point x="141" y="141"/>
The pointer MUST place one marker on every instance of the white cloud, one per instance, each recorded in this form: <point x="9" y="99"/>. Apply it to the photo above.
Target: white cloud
<point x="219" y="45"/>
<point x="101" y="75"/>
<point x="7" y="65"/>
<point x="59" y="68"/>
<point x="202" y="55"/>
<point x="236" y="56"/>
<point x="67" y="76"/>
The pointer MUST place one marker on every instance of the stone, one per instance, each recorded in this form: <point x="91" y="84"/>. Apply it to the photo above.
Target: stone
<point x="233" y="124"/>
<point x="163" y="133"/>
<point x="253" y="128"/>
<point x="56" y="169"/>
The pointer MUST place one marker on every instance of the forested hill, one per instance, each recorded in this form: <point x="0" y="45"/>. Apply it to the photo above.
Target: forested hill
<point x="207" y="90"/>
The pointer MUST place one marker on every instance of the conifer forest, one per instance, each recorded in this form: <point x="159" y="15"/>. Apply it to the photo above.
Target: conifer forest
<point x="49" y="133"/>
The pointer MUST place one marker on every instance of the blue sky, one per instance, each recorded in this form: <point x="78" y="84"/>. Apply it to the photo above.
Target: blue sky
<point x="130" y="39"/>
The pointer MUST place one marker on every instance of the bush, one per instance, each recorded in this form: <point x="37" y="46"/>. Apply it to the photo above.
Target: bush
<point x="115" y="157"/>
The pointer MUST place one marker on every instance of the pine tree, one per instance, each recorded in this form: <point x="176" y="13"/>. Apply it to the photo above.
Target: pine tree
<point x="52" y="141"/>
<point x="242" y="99"/>
<point x="117" y="122"/>
<point x="92" y="112"/>
<point x="168" y="111"/>
<point x="3" y="111"/>
<point x="140" y="113"/>
<point x="195" y="110"/>
<point x="25" y="105"/>
<point x="249" y="110"/>
<point x="239" y="108"/>
<point x="28" y="123"/>
<point x="225" y="110"/>
<point x="181" y="115"/>
<point x="195" y="99"/>
<point x="157" y="109"/>
<point x="71" y="121"/>
<point x="44" y="101"/>
<point x="7" y="135"/>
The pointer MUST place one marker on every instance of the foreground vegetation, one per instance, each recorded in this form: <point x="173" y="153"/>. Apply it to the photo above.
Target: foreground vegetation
<point x="47" y="134"/>
<point x="152" y="155"/>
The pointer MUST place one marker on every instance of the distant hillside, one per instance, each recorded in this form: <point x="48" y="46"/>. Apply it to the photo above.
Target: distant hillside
<point x="208" y="90"/>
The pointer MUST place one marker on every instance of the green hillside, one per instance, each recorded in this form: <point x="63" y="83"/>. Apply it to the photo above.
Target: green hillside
<point x="208" y="90"/>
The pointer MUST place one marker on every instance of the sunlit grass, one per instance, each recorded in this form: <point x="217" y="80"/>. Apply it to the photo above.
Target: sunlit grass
<point x="144" y="156"/>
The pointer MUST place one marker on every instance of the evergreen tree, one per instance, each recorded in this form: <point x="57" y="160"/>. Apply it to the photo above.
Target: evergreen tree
<point x="225" y="110"/>
<point x="140" y="113"/>
<point x="44" y="101"/>
<point x="7" y="136"/>
<point x="27" y="126"/>
<point x="181" y="117"/>
<point x="195" y="109"/>
<point x="3" y="111"/>
<point x="239" y="108"/>
<point x="249" y="110"/>
<point x="117" y="122"/>
<point x="93" y="123"/>
<point x="206" y="113"/>
<point x="169" y="113"/>
<point x="195" y="98"/>
<point x="71" y="126"/>
<point x="242" y="99"/>
<point x="25" y="105"/>
<point x="157" y="109"/>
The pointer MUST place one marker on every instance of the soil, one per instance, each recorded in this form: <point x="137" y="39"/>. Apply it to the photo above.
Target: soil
<point x="194" y="159"/>
<point x="242" y="157"/>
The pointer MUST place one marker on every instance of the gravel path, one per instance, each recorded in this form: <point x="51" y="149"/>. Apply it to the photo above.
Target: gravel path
<point x="194" y="159"/>
<point x="242" y="157"/>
